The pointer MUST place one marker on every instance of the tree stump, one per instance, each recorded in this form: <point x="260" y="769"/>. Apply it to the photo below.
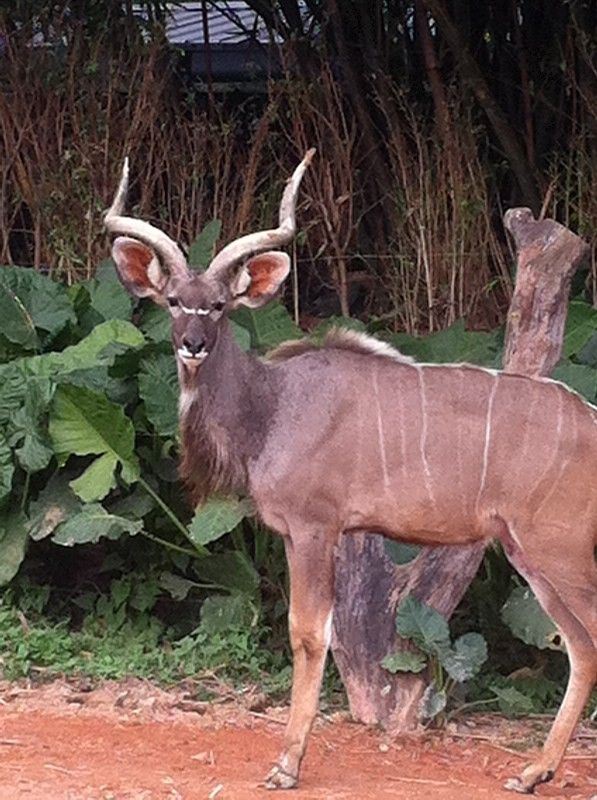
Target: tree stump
<point x="369" y="586"/>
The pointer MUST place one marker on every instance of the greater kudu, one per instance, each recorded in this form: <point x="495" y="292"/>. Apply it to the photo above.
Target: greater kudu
<point x="353" y="436"/>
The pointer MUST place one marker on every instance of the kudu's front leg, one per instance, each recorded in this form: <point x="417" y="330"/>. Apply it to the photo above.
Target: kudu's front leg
<point x="311" y="568"/>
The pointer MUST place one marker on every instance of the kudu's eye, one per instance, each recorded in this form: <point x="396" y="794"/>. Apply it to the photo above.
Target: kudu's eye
<point x="173" y="302"/>
<point x="219" y="305"/>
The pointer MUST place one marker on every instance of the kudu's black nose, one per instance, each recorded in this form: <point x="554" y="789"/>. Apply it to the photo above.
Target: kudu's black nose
<point x="193" y="344"/>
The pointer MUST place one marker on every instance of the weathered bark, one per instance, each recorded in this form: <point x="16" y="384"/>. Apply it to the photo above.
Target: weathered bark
<point x="369" y="586"/>
<point x="548" y="255"/>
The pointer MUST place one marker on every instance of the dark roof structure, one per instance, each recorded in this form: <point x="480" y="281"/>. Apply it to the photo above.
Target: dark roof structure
<point x="238" y="47"/>
<point x="231" y="22"/>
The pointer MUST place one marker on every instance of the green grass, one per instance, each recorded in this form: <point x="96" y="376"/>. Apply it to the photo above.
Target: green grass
<point x="135" y="644"/>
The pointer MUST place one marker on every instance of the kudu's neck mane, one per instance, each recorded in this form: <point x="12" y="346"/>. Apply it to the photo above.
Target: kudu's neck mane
<point x="225" y="408"/>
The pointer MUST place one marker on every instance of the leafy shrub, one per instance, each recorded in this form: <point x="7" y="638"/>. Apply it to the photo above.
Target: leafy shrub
<point x="449" y="663"/>
<point x="88" y="442"/>
<point x="88" y="448"/>
<point x="88" y="415"/>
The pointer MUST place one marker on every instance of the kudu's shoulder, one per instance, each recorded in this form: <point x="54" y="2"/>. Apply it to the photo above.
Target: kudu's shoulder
<point x="342" y="339"/>
<point x="342" y="343"/>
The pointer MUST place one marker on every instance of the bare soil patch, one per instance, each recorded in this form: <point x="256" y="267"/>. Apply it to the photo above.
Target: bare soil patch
<point x="133" y="741"/>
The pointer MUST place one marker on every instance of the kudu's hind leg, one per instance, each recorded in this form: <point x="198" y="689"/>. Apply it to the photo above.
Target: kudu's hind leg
<point x="311" y="569"/>
<point x="567" y="591"/>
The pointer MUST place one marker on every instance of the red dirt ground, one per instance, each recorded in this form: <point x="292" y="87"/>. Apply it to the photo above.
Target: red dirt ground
<point x="133" y="741"/>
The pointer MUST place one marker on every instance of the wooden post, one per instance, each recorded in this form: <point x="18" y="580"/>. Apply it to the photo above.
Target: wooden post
<point x="369" y="586"/>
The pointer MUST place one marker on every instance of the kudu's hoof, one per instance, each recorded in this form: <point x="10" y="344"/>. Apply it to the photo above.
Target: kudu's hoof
<point x="516" y="785"/>
<point x="278" y="779"/>
<point x="526" y="784"/>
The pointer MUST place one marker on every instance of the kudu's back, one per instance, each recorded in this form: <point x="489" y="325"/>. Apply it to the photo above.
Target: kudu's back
<point x="431" y="453"/>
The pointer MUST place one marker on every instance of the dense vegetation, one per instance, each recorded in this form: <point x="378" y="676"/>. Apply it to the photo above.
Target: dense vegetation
<point x="427" y="128"/>
<point x="108" y="569"/>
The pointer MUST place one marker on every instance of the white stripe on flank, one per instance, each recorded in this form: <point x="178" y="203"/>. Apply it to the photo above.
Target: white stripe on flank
<point x="423" y="440"/>
<point x="327" y="629"/>
<point x="554" y="459"/>
<point x="459" y="471"/>
<point x="402" y="427"/>
<point x="380" y="434"/>
<point x="486" y="444"/>
<point x="563" y="466"/>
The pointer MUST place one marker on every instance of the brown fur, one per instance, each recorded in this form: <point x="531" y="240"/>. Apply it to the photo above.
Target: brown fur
<point x="209" y="463"/>
<point x="339" y="339"/>
<point x="225" y="422"/>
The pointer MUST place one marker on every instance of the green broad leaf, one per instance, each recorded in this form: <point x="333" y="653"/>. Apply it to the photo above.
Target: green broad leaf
<point x="27" y="428"/>
<point x="511" y="701"/>
<point x="453" y="345"/>
<point x="144" y="595"/>
<point x="405" y="661"/>
<point x="105" y="302"/>
<point x="108" y="297"/>
<point x="156" y="323"/>
<point x="16" y="324"/>
<point x="400" y="552"/>
<point x="541" y="691"/>
<point x="13" y="543"/>
<point x="100" y="348"/>
<point x="86" y="601"/>
<point x="432" y="703"/>
<point x="120" y="591"/>
<point x="201" y="252"/>
<point x="19" y="378"/>
<point x="466" y="658"/>
<point x="158" y="388"/>
<point x="44" y="304"/>
<point x="216" y="517"/>
<point x="588" y="353"/>
<point x="135" y="505"/>
<point x="219" y="614"/>
<point x="581" y="378"/>
<point x="97" y="480"/>
<point x="581" y="324"/>
<point x="231" y="571"/>
<point x="55" y="503"/>
<point x="268" y="327"/>
<point x="241" y="335"/>
<point x="176" y="586"/>
<point x="526" y="619"/>
<point x="85" y="423"/>
<point x="6" y="469"/>
<point x="16" y="384"/>
<point x="91" y="524"/>
<point x="118" y="390"/>
<point x="35" y="453"/>
<point x="8" y="350"/>
<point x="423" y="625"/>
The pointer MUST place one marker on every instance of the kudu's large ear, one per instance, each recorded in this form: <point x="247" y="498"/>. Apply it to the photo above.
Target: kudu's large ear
<point x="259" y="279"/>
<point x="139" y="269"/>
